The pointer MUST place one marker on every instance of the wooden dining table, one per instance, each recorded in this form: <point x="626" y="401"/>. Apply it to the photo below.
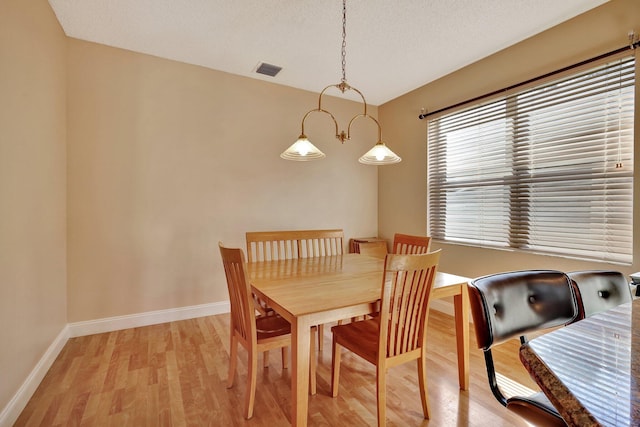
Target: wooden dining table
<point x="590" y="370"/>
<point x="313" y="291"/>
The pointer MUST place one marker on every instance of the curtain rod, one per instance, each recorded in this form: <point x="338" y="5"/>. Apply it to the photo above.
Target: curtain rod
<point x="630" y="46"/>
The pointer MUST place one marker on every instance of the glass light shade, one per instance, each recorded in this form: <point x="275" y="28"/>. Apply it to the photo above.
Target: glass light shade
<point x="379" y="155"/>
<point x="302" y="150"/>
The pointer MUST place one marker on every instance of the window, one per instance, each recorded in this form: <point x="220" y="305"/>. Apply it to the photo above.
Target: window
<point x="548" y="169"/>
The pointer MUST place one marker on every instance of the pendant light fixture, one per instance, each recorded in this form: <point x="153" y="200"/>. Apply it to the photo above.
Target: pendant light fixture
<point x="304" y="150"/>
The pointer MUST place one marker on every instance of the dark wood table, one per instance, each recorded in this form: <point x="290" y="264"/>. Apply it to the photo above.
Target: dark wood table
<point x="590" y="370"/>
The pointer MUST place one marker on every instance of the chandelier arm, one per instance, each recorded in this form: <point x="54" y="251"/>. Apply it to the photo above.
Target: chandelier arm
<point x="320" y="110"/>
<point x="357" y="116"/>
<point x="364" y="102"/>
<point x="342" y="87"/>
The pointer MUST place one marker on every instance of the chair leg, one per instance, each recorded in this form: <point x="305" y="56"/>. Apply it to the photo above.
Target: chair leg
<point x="381" y="388"/>
<point x="233" y="360"/>
<point x="422" y="379"/>
<point x="285" y="358"/>
<point x="312" y="363"/>
<point x="265" y="359"/>
<point x="335" y="368"/>
<point x="250" y="395"/>
<point x="320" y="337"/>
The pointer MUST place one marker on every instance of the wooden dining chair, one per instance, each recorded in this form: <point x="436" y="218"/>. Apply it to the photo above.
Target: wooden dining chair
<point x="397" y="335"/>
<point x="377" y="249"/>
<point x="255" y="333"/>
<point x="408" y="244"/>
<point x="270" y="246"/>
<point x="291" y="244"/>
<point x="512" y="305"/>
<point x="315" y="243"/>
<point x="599" y="290"/>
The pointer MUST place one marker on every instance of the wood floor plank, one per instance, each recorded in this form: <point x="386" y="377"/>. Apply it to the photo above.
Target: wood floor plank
<point x="174" y="374"/>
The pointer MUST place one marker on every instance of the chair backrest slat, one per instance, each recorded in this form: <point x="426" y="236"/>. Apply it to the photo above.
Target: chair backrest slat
<point x="407" y="285"/>
<point x="407" y="244"/>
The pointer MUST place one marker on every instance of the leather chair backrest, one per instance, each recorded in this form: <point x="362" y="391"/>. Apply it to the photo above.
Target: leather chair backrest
<point x="599" y="290"/>
<point x="509" y="305"/>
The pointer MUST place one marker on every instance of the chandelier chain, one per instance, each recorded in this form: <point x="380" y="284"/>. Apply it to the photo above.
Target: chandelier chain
<point x="344" y="41"/>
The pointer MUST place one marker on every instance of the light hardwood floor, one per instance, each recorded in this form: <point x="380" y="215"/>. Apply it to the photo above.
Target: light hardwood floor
<point x="174" y="374"/>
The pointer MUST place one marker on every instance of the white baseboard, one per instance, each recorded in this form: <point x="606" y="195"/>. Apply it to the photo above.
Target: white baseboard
<point x="14" y="408"/>
<point x="116" y="323"/>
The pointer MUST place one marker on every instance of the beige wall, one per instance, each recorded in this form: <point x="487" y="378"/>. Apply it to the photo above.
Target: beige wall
<point x="32" y="188"/>
<point x="600" y="30"/>
<point x="165" y="159"/>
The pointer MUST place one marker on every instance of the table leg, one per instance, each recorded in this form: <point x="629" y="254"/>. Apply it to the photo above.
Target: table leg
<point x="461" y="306"/>
<point x="300" y="336"/>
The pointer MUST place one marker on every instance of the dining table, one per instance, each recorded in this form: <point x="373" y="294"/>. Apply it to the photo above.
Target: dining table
<point x="319" y="290"/>
<point x="590" y="369"/>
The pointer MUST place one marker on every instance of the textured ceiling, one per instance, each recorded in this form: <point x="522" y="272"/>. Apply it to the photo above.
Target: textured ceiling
<point x="393" y="46"/>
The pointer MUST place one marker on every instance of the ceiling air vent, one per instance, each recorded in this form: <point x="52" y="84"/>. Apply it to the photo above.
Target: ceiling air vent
<point x="268" y="69"/>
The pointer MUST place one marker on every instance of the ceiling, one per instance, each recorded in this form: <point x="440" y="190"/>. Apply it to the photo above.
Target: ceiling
<point x="393" y="46"/>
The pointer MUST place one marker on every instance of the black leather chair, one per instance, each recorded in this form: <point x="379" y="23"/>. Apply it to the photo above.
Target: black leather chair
<point x="599" y="290"/>
<point x="509" y="305"/>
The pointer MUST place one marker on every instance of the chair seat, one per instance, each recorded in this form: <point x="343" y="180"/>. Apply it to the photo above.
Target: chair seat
<point x="537" y="409"/>
<point x="538" y="400"/>
<point x="360" y="337"/>
<point x="271" y="326"/>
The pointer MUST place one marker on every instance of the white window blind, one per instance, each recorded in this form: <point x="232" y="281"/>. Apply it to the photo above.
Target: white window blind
<point x="549" y="169"/>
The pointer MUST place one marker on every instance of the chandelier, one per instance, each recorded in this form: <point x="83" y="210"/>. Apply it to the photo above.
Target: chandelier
<point x="304" y="150"/>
